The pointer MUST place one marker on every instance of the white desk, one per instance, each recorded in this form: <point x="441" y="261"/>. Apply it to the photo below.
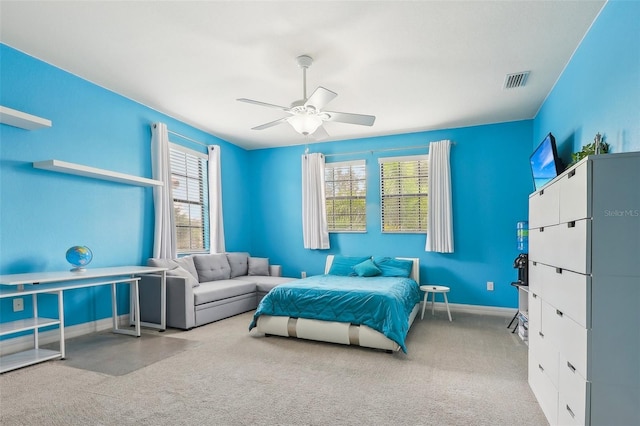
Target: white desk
<point x="17" y="285"/>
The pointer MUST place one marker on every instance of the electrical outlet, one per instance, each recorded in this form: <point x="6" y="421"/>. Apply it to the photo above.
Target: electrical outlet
<point x="303" y="274"/>
<point x="489" y="285"/>
<point x="18" y="304"/>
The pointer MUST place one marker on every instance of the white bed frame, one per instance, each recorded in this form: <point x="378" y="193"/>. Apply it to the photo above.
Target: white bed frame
<point x="334" y="331"/>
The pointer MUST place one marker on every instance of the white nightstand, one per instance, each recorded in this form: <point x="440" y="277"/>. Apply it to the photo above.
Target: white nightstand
<point x="433" y="289"/>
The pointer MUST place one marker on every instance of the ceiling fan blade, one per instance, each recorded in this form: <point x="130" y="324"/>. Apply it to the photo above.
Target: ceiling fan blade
<point x="320" y="97"/>
<point x="251" y="101"/>
<point x="345" y="117"/>
<point x="320" y="133"/>
<point x="270" y="124"/>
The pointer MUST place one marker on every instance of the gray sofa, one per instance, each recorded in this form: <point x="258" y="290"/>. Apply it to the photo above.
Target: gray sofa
<point x="208" y="287"/>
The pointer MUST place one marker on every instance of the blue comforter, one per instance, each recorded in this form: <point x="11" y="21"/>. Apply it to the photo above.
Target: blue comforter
<point x="381" y="303"/>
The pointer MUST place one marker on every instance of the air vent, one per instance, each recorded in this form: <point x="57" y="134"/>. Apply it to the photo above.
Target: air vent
<point x="512" y="81"/>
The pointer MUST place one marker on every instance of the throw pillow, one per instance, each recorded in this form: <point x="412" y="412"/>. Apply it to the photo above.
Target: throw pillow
<point x="187" y="263"/>
<point x="391" y="267"/>
<point x="239" y="263"/>
<point x="212" y="267"/>
<point x="259" y="266"/>
<point x="367" y="269"/>
<point x="179" y="271"/>
<point x="343" y="265"/>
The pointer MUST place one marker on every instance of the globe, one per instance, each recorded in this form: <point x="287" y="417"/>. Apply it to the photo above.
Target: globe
<point x="79" y="257"/>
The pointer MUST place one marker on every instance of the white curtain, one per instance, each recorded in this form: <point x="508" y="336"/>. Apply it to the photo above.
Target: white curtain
<point x="315" y="231"/>
<point x="440" y="219"/>
<point x="216" y="224"/>
<point x="164" y="236"/>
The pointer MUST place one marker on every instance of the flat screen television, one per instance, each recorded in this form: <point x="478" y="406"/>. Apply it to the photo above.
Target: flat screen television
<point x="545" y="163"/>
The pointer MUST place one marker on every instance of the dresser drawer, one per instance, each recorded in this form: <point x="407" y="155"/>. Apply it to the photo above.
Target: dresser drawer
<point x="573" y="396"/>
<point x="568" y="291"/>
<point x="572" y="340"/>
<point x="544" y="390"/>
<point x="574" y="196"/>
<point x="544" y="207"/>
<point x="567" y="245"/>
<point x="546" y="354"/>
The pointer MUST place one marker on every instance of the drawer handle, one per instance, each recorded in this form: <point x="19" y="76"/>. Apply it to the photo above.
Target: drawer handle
<point x="558" y="270"/>
<point x="571" y="367"/>
<point x="571" y="174"/>
<point x="571" y="411"/>
<point x="535" y="296"/>
<point x="559" y="312"/>
<point x="541" y="333"/>
<point x="571" y="224"/>
<point x="541" y="368"/>
<point x="541" y="191"/>
<point x="534" y="263"/>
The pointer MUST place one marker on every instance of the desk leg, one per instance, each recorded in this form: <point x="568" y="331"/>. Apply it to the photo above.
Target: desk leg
<point x="61" y="317"/>
<point x="163" y="302"/>
<point x="134" y="310"/>
<point x="36" y="337"/>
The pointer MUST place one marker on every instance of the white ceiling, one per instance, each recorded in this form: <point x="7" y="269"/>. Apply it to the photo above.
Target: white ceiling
<point x="415" y="65"/>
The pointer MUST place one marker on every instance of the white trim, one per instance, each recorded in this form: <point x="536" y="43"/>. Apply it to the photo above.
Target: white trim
<point x="474" y="309"/>
<point x="21" y="343"/>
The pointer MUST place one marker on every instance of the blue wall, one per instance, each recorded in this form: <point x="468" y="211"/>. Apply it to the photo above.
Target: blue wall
<point x="490" y="184"/>
<point x="43" y="213"/>
<point x="599" y="90"/>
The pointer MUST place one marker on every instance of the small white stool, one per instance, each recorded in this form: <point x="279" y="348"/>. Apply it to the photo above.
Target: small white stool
<point x="433" y="289"/>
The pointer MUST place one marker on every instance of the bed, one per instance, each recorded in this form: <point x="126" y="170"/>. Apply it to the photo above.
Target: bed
<point x="374" y="312"/>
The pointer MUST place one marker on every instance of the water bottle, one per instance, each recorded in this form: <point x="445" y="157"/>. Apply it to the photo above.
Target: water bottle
<point x="522" y="230"/>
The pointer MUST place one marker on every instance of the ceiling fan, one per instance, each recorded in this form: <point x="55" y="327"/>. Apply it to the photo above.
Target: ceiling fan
<point x="306" y="114"/>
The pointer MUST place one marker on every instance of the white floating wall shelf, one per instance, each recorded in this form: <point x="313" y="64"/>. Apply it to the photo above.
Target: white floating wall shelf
<point x="92" y="172"/>
<point x="15" y="118"/>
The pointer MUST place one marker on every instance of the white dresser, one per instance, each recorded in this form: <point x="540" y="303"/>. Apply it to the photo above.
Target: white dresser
<point x="584" y="293"/>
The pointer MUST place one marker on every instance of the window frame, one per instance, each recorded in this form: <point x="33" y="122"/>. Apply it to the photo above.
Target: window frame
<point x="421" y="194"/>
<point x="203" y="201"/>
<point x="360" y="164"/>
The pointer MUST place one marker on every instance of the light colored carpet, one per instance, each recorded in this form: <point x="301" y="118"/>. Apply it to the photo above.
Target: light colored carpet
<point x="468" y="372"/>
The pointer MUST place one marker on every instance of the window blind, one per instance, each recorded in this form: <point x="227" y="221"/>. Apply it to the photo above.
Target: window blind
<point x="345" y="196"/>
<point x="404" y="184"/>
<point x="189" y="180"/>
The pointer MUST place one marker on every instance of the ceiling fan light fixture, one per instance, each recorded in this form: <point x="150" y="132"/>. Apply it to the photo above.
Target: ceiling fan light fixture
<point x="305" y="124"/>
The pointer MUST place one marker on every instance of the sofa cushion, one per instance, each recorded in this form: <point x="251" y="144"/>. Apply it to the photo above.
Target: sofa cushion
<point x="258" y="266"/>
<point x="221" y="289"/>
<point x="238" y="263"/>
<point x="212" y="267"/>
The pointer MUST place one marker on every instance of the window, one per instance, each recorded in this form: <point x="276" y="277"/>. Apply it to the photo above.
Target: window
<point x="345" y="195"/>
<point x="190" y="199"/>
<point x="404" y="193"/>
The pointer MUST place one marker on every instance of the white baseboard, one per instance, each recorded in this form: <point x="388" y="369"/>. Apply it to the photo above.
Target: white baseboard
<point x="473" y="309"/>
<point x="21" y="343"/>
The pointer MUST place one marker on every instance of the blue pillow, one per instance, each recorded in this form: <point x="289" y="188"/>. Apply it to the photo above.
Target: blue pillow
<point x="343" y="265"/>
<point x="391" y="267"/>
<point x="367" y="269"/>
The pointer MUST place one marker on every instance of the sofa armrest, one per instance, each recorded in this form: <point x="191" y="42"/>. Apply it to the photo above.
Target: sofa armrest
<point x="180" y="301"/>
<point x="275" y="270"/>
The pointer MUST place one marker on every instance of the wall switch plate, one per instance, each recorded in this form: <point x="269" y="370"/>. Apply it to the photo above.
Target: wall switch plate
<point x="18" y="304"/>
<point x="490" y="285"/>
<point x="303" y="274"/>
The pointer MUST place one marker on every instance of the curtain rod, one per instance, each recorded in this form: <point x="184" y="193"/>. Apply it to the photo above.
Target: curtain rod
<point x="189" y="139"/>
<point x="371" y="151"/>
<point x="183" y="136"/>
